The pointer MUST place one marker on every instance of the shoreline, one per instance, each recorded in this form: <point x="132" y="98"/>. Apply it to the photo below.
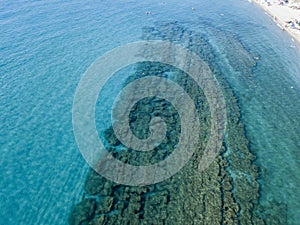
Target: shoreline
<point x="282" y="14"/>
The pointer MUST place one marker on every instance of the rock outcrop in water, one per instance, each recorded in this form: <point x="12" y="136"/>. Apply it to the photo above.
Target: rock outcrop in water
<point x="225" y="193"/>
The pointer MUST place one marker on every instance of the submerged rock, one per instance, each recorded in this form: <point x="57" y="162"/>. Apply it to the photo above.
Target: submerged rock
<point x="83" y="212"/>
<point x="224" y="193"/>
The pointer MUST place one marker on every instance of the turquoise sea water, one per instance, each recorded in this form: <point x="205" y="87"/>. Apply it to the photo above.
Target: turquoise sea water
<point x="45" y="48"/>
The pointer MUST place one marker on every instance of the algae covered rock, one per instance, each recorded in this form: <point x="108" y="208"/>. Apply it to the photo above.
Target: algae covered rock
<point x="97" y="185"/>
<point x="104" y="205"/>
<point x="225" y="193"/>
<point x="83" y="212"/>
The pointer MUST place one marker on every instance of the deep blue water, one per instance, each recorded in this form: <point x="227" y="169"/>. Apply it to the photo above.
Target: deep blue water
<point x="45" y="48"/>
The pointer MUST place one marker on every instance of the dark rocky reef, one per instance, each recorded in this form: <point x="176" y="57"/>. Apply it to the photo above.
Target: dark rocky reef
<point x="225" y="193"/>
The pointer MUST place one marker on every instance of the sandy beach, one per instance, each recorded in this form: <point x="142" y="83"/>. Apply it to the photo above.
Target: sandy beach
<point x="286" y="15"/>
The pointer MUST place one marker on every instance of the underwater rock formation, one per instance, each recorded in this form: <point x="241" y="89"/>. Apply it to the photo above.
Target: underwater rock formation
<point x="225" y="193"/>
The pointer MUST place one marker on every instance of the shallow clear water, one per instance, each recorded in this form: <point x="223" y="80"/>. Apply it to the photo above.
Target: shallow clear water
<point x="45" y="48"/>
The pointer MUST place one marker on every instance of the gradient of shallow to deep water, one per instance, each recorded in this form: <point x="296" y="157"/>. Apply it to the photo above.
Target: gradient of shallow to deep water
<point x="45" y="47"/>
